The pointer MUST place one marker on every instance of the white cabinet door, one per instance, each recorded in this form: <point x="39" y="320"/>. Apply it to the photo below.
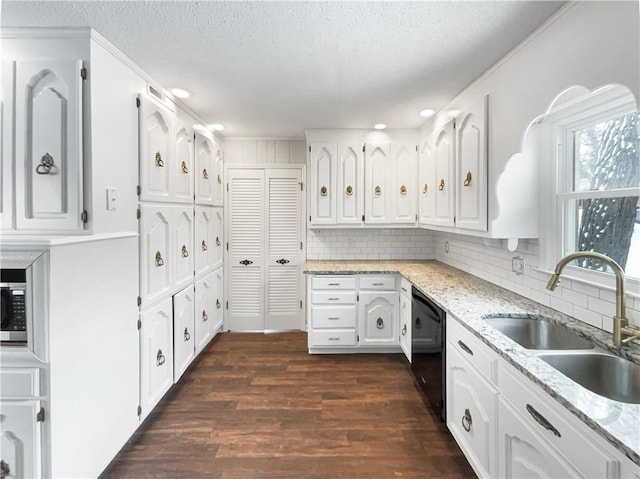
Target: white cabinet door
<point x="182" y="246"/>
<point x="155" y="251"/>
<point x="522" y="453"/>
<point x="217" y="238"/>
<point x="48" y="145"/>
<point x="217" y="279"/>
<point x="246" y="237"/>
<point x="156" y="144"/>
<point x="205" y="307"/>
<point x="183" y="331"/>
<point x="378" y="318"/>
<point x="445" y="166"/>
<point x="427" y="185"/>
<point x="20" y="439"/>
<point x="350" y="183"/>
<point x="6" y="147"/>
<point x="219" y="180"/>
<point x="204" y="246"/>
<point x="204" y="164"/>
<point x="182" y="165"/>
<point x="405" y="325"/>
<point x="471" y="413"/>
<point x="471" y="166"/>
<point x="284" y="255"/>
<point x="322" y="188"/>
<point x="156" y="355"/>
<point x="404" y="197"/>
<point x="377" y="184"/>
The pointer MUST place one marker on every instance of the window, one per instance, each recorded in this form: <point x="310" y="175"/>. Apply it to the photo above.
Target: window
<point x="597" y="143"/>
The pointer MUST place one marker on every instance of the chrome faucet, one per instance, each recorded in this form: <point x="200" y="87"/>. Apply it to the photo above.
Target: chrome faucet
<point x="623" y="333"/>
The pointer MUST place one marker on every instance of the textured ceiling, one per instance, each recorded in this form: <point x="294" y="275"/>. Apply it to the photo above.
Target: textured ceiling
<point x="272" y="69"/>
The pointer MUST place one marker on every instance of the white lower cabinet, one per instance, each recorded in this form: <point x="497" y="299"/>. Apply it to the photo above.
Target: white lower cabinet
<point x="405" y="318"/>
<point x="156" y="354"/>
<point x="378" y="318"/>
<point x="208" y="308"/>
<point x="471" y="413"/>
<point x="20" y="439"/>
<point x="183" y="331"/>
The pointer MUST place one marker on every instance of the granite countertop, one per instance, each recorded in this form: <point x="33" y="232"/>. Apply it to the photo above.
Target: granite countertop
<point x="469" y="299"/>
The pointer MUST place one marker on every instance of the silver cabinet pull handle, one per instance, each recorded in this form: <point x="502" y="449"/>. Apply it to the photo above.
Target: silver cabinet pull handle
<point x="187" y="335"/>
<point x="378" y="284"/>
<point x="333" y="299"/>
<point x="46" y="165"/>
<point x="334" y="284"/>
<point x="204" y="315"/>
<point x="467" y="420"/>
<point x="333" y="318"/>
<point x="218" y="304"/>
<point x="160" y="359"/>
<point x="465" y="348"/>
<point x="334" y="339"/>
<point x="404" y="330"/>
<point x="380" y="323"/>
<point x="540" y="419"/>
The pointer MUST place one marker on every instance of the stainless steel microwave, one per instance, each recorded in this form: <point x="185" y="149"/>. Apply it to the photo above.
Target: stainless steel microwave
<point x="13" y="314"/>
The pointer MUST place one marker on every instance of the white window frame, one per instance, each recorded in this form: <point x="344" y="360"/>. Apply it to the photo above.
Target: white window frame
<point x="557" y="180"/>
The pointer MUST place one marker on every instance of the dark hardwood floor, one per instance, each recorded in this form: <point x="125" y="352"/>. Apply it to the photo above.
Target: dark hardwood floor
<point x="259" y="406"/>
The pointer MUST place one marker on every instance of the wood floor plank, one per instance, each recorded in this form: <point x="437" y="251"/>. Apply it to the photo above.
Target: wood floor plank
<point x="259" y="406"/>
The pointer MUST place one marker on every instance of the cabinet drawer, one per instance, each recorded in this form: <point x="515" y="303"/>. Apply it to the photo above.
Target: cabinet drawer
<point x="405" y="287"/>
<point x="333" y="297"/>
<point x="333" y="282"/>
<point x="333" y="317"/>
<point x="330" y="337"/>
<point x="378" y="282"/>
<point x="19" y="382"/>
<point x="472" y="348"/>
<point x="539" y="413"/>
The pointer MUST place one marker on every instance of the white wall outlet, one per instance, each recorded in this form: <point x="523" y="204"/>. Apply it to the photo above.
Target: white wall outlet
<point x="517" y="265"/>
<point x="112" y="198"/>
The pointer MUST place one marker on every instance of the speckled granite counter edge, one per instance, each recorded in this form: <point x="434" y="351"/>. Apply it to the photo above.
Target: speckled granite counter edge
<point x="469" y="299"/>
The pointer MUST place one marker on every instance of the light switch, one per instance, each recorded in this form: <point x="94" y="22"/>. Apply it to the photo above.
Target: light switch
<point x="112" y="198"/>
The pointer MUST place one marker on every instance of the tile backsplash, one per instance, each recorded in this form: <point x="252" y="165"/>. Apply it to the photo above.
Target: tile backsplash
<point x="371" y="244"/>
<point x="487" y="259"/>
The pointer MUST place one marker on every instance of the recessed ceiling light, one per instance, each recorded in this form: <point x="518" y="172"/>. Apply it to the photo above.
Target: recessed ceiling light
<point x="216" y="126"/>
<point x="427" y="113"/>
<point x="179" y="93"/>
<point x="380" y="126"/>
<point x="453" y="113"/>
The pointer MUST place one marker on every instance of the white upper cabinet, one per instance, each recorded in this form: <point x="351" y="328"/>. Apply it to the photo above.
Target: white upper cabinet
<point x="48" y="145"/>
<point x="217" y="238"/>
<point x="378" y="184"/>
<point x="218" y="192"/>
<point x="427" y="184"/>
<point x="349" y="193"/>
<point x="157" y="149"/>
<point x="183" y="247"/>
<point x="155" y="251"/>
<point x="182" y="165"/>
<point x="322" y="166"/>
<point x="445" y="169"/>
<point x="205" y="163"/>
<point x="471" y="167"/>
<point x="403" y="169"/>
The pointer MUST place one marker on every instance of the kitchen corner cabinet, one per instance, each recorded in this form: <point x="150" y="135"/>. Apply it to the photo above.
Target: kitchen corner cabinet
<point x="183" y="331"/>
<point x="156" y="355"/>
<point x="378" y="309"/>
<point x="43" y="128"/>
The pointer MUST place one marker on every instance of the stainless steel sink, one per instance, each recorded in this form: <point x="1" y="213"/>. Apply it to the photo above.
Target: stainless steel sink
<point x="537" y="333"/>
<point x="609" y="376"/>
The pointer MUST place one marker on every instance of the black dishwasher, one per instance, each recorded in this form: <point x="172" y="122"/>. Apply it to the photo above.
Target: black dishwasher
<point x="427" y="350"/>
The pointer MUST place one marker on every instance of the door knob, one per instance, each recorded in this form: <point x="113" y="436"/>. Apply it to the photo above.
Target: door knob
<point x="282" y="261"/>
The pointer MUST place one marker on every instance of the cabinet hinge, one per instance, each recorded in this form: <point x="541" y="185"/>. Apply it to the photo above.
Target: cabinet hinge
<point x="138" y="214"/>
<point x="309" y="217"/>
<point x="227" y="246"/>
<point x="364" y="147"/>
<point x="309" y="148"/>
<point x="227" y="187"/>
<point x="83" y="73"/>
<point x="362" y="217"/>
<point x="357" y="297"/>
<point x="301" y="186"/>
<point x="138" y="190"/>
<point x="139" y="301"/>
<point x="84" y="216"/>
<point x="416" y="216"/>
<point x="137" y="102"/>
<point x="227" y="304"/>
<point x="139" y="324"/>
<point x="300" y="244"/>
<point x="300" y="304"/>
<point x="40" y="415"/>
<point x="357" y="338"/>
<point x="416" y="147"/>
<point x="139" y="410"/>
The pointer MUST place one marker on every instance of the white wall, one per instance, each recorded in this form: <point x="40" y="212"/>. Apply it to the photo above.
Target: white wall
<point x="369" y="244"/>
<point x="264" y="151"/>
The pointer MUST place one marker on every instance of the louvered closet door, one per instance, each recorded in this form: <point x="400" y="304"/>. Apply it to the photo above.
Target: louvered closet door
<point x="284" y="249"/>
<point x="246" y="236"/>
